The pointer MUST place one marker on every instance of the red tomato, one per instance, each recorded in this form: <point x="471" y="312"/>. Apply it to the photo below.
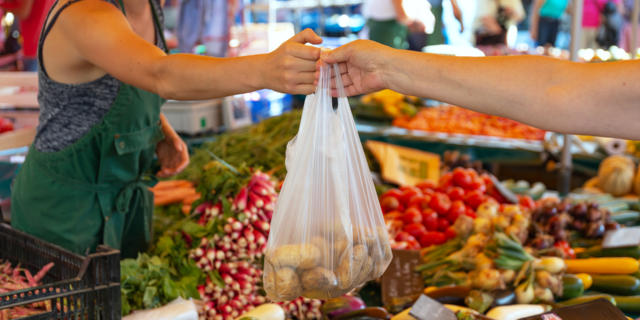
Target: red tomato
<point x="419" y="201"/>
<point x="426" y="185"/>
<point x="474" y="199"/>
<point x="457" y="209"/>
<point x="389" y="204"/>
<point x="393" y="215"/>
<point x="526" y="202"/>
<point x="450" y="233"/>
<point x="487" y="180"/>
<point x="566" y="249"/>
<point x="461" y="178"/>
<point x="430" y="219"/>
<point x="456" y="193"/>
<point x="443" y="224"/>
<point x="415" y="229"/>
<point x="396" y="193"/>
<point x="470" y="213"/>
<point x="478" y="184"/>
<point x="412" y="215"/>
<point x="413" y="244"/>
<point x="408" y="193"/>
<point x="446" y="180"/>
<point x="432" y="238"/>
<point x="404" y="236"/>
<point x="440" y="203"/>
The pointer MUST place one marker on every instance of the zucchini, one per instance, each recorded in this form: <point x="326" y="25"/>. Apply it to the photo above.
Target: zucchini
<point x="626" y="217"/>
<point x="616" y="284"/>
<point x="449" y="294"/>
<point x="598" y="251"/>
<point x="572" y="287"/>
<point x="615" y="206"/>
<point x="585" y="299"/>
<point x="629" y="304"/>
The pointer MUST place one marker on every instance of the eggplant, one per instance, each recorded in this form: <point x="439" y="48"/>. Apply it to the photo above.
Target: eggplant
<point x="370" y="313"/>
<point x="335" y="307"/>
<point x="503" y="297"/>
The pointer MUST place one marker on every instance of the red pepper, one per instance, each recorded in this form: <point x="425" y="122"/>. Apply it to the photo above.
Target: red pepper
<point x="566" y="249"/>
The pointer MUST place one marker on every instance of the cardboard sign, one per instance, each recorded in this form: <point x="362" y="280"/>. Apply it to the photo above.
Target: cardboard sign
<point x="624" y="237"/>
<point x="401" y="284"/>
<point x="405" y="166"/>
<point x="426" y="309"/>
<point x="594" y="310"/>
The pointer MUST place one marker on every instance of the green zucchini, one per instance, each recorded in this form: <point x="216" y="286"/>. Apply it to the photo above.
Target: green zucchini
<point x="626" y="217"/>
<point x="616" y="284"/>
<point x="628" y="304"/>
<point x="572" y="287"/>
<point x="615" y="205"/>
<point x="598" y="251"/>
<point x="585" y="299"/>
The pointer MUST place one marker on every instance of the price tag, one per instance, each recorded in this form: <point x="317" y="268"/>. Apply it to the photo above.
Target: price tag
<point x="427" y="309"/>
<point x="624" y="237"/>
<point x="594" y="310"/>
<point x="401" y="284"/>
<point x="405" y="166"/>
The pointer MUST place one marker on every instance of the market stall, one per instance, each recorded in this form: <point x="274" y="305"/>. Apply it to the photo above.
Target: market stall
<point x="383" y="206"/>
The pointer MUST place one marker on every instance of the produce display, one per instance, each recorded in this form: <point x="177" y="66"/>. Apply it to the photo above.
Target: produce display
<point x="424" y="215"/>
<point x="456" y="120"/>
<point x="13" y="278"/>
<point x="617" y="176"/>
<point x="391" y="103"/>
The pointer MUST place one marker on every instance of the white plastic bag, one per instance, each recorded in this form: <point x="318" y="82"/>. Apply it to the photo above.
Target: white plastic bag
<point x="327" y="235"/>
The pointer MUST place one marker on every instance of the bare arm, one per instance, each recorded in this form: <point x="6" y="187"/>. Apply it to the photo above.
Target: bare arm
<point x="457" y="13"/>
<point x="109" y="43"/>
<point x="401" y="15"/>
<point x="596" y="99"/>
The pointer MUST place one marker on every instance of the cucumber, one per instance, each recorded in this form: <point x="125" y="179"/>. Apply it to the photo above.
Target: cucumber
<point x="585" y="299"/>
<point x="572" y="287"/>
<point x="616" y="284"/>
<point x="629" y="304"/>
<point x="598" y="251"/>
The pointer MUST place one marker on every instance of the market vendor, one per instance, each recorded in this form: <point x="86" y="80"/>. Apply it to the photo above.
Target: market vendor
<point x="104" y="73"/>
<point x="599" y="99"/>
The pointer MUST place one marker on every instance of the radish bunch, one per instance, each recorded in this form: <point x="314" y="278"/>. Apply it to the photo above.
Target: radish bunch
<point x="234" y="253"/>
<point x="303" y="308"/>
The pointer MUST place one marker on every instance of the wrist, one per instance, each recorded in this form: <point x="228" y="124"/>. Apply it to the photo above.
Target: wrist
<point x="391" y="71"/>
<point x="263" y="79"/>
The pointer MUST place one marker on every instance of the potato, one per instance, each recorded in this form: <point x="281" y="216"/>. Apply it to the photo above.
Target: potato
<point x="283" y="284"/>
<point x="346" y="274"/>
<point x="365" y="271"/>
<point x="360" y="254"/>
<point x="320" y="294"/>
<point x="364" y="236"/>
<point x="318" y="279"/>
<point x="303" y="256"/>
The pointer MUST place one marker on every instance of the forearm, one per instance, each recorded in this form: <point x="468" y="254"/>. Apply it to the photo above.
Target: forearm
<point x="547" y="93"/>
<point x="192" y="77"/>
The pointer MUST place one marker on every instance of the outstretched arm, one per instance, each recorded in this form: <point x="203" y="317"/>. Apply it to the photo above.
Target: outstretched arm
<point x="597" y="99"/>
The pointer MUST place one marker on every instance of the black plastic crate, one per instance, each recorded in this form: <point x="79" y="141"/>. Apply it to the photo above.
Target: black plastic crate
<point x="77" y="287"/>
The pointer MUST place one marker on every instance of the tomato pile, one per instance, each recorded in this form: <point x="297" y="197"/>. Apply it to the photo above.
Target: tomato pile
<point x="423" y="215"/>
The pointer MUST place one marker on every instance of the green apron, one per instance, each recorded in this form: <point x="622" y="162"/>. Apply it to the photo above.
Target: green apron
<point x="437" y="37"/>
<point x="95" y="191"/>
<point x="389" y="32"/>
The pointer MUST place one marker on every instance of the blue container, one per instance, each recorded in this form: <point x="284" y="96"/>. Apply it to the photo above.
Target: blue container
<point x="267" y="103"/>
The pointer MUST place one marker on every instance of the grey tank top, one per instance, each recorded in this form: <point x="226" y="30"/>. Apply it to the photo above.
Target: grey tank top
<point x="69" y="111"/>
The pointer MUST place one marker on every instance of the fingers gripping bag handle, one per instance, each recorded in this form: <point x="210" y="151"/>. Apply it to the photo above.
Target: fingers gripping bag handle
<point x="327" y="234"/>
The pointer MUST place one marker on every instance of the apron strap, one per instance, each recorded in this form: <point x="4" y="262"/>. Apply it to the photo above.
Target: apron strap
<point x="159" y="27"/>
<point x="122" y="7"/>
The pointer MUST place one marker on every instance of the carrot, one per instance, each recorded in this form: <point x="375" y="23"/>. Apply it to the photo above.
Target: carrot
<point x="186" y="209"/>
<point x="173" y="196"/>
<point x="602" y="265"/>
<point x="170" y="184"/>
<point x="190" y="199"/>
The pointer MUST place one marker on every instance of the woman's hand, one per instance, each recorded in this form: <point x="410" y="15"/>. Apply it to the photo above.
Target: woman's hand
<point x="172" y="152"/>
<point x="363" y="65"/>
<point x="291" y="68"/>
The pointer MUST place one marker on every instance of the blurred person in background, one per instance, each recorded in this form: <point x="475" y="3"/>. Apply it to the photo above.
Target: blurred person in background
<point x="493" y="20"/>
<point x="592" y="11"/>
<point x="388" y="22"/>
<point x="625" y="37"/>
<point x="545" y="21"/>
<point x="203" y="22"/>
<point x="31" y="15"/>
<point x="418" y="40"/>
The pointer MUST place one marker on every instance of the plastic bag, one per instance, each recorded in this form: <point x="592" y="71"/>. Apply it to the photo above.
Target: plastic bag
<point x="327" y="235"/>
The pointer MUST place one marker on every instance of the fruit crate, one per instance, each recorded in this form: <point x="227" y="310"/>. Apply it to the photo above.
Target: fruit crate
<point x="77" y="287"/>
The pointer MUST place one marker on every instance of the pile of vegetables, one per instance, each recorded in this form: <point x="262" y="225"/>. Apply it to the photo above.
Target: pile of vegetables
<point x="456" y="120"/>
<point x="175" y="191"/>
<point x="391" y="103"/>
<point x="422" y="215"/>
<point x="554" y="221"/>
<point x="17" y="278"/>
